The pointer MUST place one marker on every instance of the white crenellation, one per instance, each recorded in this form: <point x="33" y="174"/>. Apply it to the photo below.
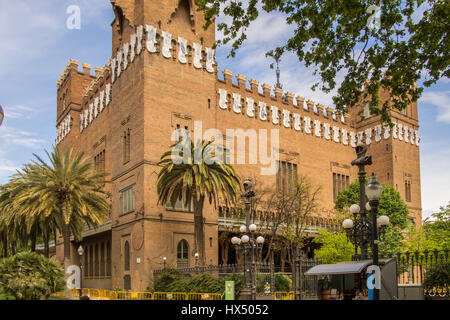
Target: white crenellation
<point x="387" y="132"/>
<point x="126" y="49"/>
<point x="345" y="137"/>
<point x="167" y="44"/>
<point x="262" y="111"/>
<point x="400" y="131"/>
<point x="286" y="118"/>
<point x="378" y="133"/>
<point x="182" y="52"/>
<point x="237" y="103"/>
<point x="317" y="128"/>
<point x="327" y="131"/>
<point x="102" y="98"/>
<point x="368" y="133"/>
<point x="406" y="133"/>
<point x="91" y="112"/>
<point x="139" y="37"/>
<point x="113" y="69"/>
<point x="297" y="122"/>
<point x="151" y="38"/>
<point x="197" y="56"/>
<point x="308" y="125"/>
<point x="330" y="132"/>
<point x="132" y="47"/>
<point x="96" y="107"/>
<point x="394" y="130"/>
<point x="250" y="107"/>
<point x="119" y="63"/>
<point x="210" y="60"/>
<point x="275" y="116"/>
<point x="336" y="134"/>
<point x="360" y="136"/>
<point x="107" y="94"/>
<point x="353" y="139"/>
<point x="223" y="99"/>
<point x="416" y="134"/>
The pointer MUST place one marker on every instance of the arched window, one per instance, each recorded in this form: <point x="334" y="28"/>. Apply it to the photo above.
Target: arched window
<point x="127" y="256"/>
<point x="183" y="254"/>
<point x="108" y="259"/>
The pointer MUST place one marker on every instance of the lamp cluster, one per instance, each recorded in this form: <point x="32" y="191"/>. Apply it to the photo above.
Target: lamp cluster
<point x="245" y="239"/>
<point x="360" y="228"/>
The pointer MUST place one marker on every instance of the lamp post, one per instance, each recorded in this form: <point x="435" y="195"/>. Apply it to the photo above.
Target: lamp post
<point x="165" y="261"/>
<point x="248" y="245"/>
<point x="361" y="161"/>
<point x="358" y="230"/>
<point x="80" y="253"/>
<point x="2" y="115"/>
<point x="373" y="191"/>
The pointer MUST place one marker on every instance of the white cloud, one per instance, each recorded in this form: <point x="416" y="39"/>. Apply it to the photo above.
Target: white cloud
<point x="435" y="176"/>
<point x="17" y="112"/>
<point x="441" y="100"/>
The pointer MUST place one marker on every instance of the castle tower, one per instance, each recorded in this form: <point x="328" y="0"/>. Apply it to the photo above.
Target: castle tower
<point x="395" y="151"/>
<point x="163" y="76"/>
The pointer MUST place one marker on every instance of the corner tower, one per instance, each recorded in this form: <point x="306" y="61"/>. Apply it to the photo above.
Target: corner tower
<point x="163" y="77"/>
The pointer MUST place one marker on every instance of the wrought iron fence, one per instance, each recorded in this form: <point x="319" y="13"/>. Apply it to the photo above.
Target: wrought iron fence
<point x="413" y="267"/>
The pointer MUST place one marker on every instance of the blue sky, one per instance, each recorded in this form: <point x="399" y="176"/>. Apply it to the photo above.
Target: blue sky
<point x="35" y="46"/>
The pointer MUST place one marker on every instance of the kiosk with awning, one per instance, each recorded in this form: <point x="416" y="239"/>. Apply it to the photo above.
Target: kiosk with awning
<point x="350" y="278"/>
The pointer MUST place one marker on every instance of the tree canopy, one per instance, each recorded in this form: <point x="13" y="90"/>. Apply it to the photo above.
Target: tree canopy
<point x="376" y="44"/>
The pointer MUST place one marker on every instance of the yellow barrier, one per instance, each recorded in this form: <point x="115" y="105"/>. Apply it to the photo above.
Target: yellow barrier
<point x="169" y="296"/>
<point x="101" y="294"/>
<point x="283" y="295"/>
<point x="204" y="296"/>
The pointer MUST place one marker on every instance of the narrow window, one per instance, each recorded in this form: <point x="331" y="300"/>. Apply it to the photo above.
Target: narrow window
<point x="97" y="265"/>
<point x="102" y="260"/>
<point x="108" y="259"/>
<point x="183" y="254"/>
<point x="127" y="256"/>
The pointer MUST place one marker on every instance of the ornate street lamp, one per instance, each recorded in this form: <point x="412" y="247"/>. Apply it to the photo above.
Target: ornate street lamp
<point x="196" y="259"/>
<point x="165" y="262"/>
<point x="2" y="115"/>
<point x="361" y="161"/>
<point x="80" y="253"/>
<point x="360" y="229"/>
<point x="248" y="245"/>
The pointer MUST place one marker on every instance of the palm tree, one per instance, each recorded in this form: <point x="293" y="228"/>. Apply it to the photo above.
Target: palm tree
<point x="197" y="177"/>
<point x="66" y="189"/>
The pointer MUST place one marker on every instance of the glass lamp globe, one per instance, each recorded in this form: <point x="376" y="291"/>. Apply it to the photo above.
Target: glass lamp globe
<point x="80" y="250"/>
<point x="374" y="189"/>
<point x="245" y="239"/>
<point x="243" y="229"/>
<point x="347" y="224"/>
<point x="368" y="207"/>
<point x="165" y="258"/>
<point x="383" y="221"/>
<point x="252" y="227"/>
<point x="196" y="254"/>
<point x="235" y="240"/>
<point x="354" y="209"/>
<point x="260" y="240"/>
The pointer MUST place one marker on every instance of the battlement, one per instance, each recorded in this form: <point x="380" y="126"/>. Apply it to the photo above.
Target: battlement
<point x="295" y="103"/>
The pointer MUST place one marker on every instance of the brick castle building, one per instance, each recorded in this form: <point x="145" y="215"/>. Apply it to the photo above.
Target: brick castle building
<point x="161" y="77"/>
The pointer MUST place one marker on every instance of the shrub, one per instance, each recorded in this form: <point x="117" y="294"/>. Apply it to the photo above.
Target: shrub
<point x="173" y="281"/>
<point x="30" y="276"/>
<point x="438" y="276"/>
